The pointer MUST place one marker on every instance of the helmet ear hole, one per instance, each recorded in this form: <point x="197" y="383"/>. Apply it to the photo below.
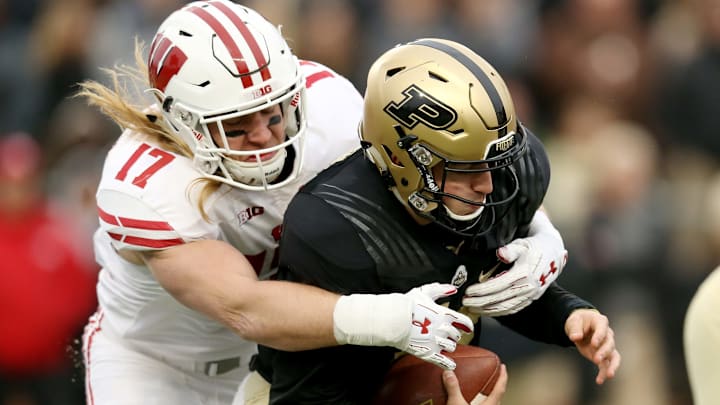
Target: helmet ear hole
<point x="167" y="103"/>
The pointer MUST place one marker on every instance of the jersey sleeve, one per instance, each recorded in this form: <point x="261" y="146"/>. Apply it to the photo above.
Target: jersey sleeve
<point x="334" y="111"/>
<point x="147" y="198"/>
<point x="544" y="319"/>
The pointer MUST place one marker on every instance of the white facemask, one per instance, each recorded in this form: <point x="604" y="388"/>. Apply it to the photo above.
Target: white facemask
<point x="252" y="173"/>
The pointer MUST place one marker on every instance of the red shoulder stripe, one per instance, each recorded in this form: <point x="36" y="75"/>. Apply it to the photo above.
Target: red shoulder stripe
<point x="152" y="243"/>
<point x="134" y="223"/>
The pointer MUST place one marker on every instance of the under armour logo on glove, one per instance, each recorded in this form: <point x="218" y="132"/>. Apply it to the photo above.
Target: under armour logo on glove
<point x="553" y="270"/>
<point x="441" y="328"/>
<point x="410" y="322"/>
<point x="422" y="325"/>
<point x="537" y="261"/>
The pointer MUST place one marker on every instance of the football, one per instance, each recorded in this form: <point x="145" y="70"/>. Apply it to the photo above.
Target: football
<point x="411" y="381"/>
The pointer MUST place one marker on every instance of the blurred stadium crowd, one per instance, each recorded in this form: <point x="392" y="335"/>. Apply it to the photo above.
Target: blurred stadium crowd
<point x="624" y="93"/>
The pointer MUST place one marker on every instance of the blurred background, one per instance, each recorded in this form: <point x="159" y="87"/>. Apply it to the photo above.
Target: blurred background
<point x="625" y="94"/>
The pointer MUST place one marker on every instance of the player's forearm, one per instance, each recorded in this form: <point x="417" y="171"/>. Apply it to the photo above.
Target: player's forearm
<point x="285" y="315"/>
<point x="214" y="278"/>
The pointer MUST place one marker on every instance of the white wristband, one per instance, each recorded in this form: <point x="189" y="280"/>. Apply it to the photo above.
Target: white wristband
<point x="372" y="320"/>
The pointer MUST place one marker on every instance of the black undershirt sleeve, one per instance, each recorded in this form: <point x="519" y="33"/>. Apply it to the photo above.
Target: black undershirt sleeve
<point x="544" y="319"/>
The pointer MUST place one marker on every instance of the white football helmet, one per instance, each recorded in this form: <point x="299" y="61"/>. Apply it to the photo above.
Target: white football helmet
<point x="215" y="60"/>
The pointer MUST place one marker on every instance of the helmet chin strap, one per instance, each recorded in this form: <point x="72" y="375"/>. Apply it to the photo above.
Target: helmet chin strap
<point x="464" y="218"/>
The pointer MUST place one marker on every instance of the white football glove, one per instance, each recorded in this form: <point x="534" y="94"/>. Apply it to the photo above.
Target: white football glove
<point x="410" y="322"/>
<point x="539" y="258"/>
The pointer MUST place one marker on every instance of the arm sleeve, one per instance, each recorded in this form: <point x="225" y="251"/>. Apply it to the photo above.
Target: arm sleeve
<point x="544" y="319"/>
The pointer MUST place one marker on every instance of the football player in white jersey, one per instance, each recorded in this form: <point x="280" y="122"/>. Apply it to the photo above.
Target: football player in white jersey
<point x="190" y="205"/>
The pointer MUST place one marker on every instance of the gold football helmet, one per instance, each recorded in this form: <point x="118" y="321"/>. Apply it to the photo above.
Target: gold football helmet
<point x="435" y="102"/>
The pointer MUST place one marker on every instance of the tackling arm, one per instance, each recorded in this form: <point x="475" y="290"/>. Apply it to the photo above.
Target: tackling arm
<point x="212" y="277"/>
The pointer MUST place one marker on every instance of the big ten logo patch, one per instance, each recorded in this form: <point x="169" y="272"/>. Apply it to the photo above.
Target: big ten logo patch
<point x="262" y="91"/>
<point x="249" y="213"/>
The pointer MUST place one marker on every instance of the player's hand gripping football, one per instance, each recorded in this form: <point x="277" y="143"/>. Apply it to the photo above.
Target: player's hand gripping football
<point x="411" y="322"/>
<point x="538" y="260"/>
<point x="455" y="396"/>
<point x="595" y="340"/>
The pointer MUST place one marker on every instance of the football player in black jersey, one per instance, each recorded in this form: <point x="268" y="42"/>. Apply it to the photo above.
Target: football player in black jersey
<point x="445" y="184"/>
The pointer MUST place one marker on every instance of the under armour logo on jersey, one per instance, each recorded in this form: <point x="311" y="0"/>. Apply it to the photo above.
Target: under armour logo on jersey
<point x="460" y="276"/>
<point x="422" y="325"/>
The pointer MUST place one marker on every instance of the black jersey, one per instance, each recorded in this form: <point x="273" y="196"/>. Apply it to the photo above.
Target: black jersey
<point x="346" y="232"/>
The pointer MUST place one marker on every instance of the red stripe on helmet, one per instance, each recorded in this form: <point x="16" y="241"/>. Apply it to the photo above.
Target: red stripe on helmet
<point x="157" y="40"/>
<point x="228" y="42"/>
<point x="159" y="46"/>
<point x="249" y="39"/>
<point x="164" y="63"/>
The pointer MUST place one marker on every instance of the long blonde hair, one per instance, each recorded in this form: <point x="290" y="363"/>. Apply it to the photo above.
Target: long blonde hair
<point x="117" y="103"/>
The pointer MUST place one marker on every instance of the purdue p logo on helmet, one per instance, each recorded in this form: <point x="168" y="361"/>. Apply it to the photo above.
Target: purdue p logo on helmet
<point x="431" y="102"/>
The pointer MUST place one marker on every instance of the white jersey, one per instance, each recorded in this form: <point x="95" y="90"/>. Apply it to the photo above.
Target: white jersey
<point x="147" y="199"/>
